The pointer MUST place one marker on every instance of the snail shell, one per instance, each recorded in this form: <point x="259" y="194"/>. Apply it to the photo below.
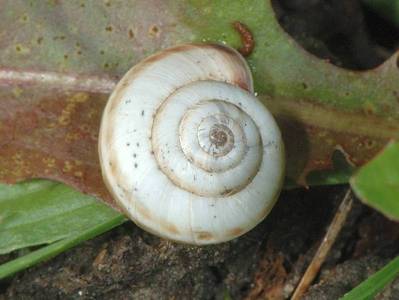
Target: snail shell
<point x="186" y="149"/>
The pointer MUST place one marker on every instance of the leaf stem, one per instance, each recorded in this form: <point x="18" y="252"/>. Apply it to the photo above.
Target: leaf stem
<point x="375" y="283"/>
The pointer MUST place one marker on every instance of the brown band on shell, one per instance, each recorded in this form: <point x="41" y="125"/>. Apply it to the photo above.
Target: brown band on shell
<point x="234" y="232"/>
<point x="204" y="235"/>
<point x="247" y="39"/>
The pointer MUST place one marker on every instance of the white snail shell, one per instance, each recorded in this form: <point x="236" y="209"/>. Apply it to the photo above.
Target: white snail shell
<point x="186" y="149"/>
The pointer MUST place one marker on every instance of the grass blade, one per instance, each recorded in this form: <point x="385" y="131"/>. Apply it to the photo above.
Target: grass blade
<point x="56" y="248"/>
<point x="375" y="283"/>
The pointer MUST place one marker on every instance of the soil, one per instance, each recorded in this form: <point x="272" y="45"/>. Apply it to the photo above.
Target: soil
<point x="266" y="263"/>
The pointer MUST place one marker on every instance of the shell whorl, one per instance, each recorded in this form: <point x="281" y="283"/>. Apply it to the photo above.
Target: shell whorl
<point x="217" y="149"/>
<point x="187" y="150"/>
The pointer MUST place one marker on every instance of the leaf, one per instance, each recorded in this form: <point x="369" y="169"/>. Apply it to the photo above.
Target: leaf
<point x="56" y="248"/>
<point x="342" y="171"/>
<point x="52" y="136"/>
<point x="375" y="283"/>
<point x="42" y="212"/>
<point x="60" y="59"/>
<point x="377" y="183"/>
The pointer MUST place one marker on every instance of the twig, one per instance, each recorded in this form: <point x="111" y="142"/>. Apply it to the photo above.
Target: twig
<point x="325" y="246"/>
<point x="86" y="83"/>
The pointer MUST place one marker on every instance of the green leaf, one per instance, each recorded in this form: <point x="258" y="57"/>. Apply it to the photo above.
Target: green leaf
<point x="41" y="212"/>
<point x="340" y="174"/>
<point x="377" y="183"/>
<point x="54" y="249"/>
<point x="375" y="283"/>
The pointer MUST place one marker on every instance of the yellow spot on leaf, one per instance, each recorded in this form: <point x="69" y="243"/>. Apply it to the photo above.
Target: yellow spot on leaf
<point x="79" y="98"/>
<point x="20" y="49"/>
<point x="49" y="161"/>
<point x="85" y="127"/>
<point x="71" y="136"/>
<point x="17" y="158"/>
<point x="369" y="108"/>
<point x="17" y="91"/>
<point x="67" y="166"/>
<point x="78" y="174"/>
<point x="65" y="118"/>
<point x="91" y="113"/>
<point x="24" y="18"/>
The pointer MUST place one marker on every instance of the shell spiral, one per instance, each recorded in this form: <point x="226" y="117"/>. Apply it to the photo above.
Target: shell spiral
<point x="187" y="150"/>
